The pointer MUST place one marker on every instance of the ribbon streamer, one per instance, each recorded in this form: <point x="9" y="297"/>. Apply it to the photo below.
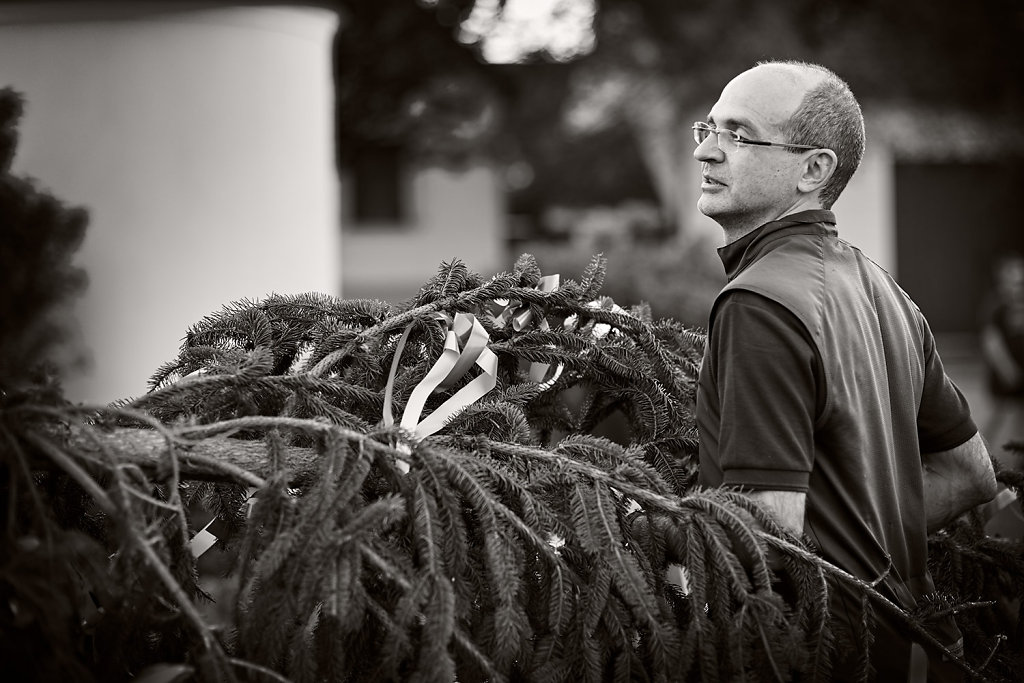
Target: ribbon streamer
<point x="1004" y="499"/>
<point x="465" y="346"/>
<point x="598" y="330"/>
<point x="203" y="540"/>
<point x="207" y="537"/>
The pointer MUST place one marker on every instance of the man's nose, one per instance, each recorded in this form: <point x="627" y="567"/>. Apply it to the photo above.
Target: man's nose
<point x="708" y="150"/>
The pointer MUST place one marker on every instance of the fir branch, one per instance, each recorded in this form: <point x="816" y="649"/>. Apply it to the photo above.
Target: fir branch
<point x="699" y="644"/>
<point x="450" y="279"/>
<point x="467" y="644"/>
<point x="67" y="464"/>
<point x="393" y="323"/>
<point x="496" y="288"/>
<point x="503" y="567"/>
<point x="871" y="595"/>
<point x="730" y="510"/>
<point x="527" y="270"/>
<point x="461" y="469"/>
<point x="38" y="506"/>
<point x="455" y="542"/>
<point x="262" y="670"/>
<point x="435" y="662"/>
<point x="181" y="600"/>
<point x="593" y="277"/>
<point x="720" y="551"/>
<point x="756" y="603"/>
<point x="630" y="580"/>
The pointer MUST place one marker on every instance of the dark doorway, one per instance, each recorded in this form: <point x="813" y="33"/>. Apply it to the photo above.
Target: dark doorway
<point x="952" y="220"/>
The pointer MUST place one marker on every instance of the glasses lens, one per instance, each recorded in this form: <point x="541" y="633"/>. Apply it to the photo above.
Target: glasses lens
<point x="725" y="139"/>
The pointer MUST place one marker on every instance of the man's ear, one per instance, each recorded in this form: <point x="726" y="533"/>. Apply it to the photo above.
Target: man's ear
<point x="817" y="169"/>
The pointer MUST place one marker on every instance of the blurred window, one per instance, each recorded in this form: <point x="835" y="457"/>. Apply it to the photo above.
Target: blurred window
<point x="377" y="184"/>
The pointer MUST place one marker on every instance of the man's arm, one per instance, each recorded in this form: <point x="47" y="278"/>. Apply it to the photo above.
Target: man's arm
<point x="786" y="507"/>
<point x="769" y="377"/>
<point x="956" y="481"/>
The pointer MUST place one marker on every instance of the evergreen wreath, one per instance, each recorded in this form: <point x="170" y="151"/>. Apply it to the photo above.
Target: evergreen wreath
<point x="530" y="538"/>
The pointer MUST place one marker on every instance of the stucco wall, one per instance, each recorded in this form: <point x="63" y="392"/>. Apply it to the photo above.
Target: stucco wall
<point x="201" y="144"/>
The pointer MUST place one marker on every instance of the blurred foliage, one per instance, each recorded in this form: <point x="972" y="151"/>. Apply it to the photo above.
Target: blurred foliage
<point x="41" y="235"/>
<point x="402" y="78"/>
<point x="937" y="51"/>
<point x="676" y="281"/>
<point x="927" y="51"/>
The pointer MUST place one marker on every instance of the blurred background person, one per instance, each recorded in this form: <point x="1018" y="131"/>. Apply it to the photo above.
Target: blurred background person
<point x="1002" y="350"/>
<point x="1002" y="345"/>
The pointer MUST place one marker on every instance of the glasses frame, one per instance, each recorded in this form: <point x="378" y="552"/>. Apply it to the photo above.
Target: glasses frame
<point x="700" y="127"/>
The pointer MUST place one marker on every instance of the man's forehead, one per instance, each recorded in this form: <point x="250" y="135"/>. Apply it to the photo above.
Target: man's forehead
<point x="763" y="97"/>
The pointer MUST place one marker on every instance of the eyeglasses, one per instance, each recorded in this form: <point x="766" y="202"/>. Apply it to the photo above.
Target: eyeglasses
<point x="728" y="140"/>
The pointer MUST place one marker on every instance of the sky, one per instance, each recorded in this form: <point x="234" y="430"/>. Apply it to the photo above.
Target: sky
<point x="562" y="28"/>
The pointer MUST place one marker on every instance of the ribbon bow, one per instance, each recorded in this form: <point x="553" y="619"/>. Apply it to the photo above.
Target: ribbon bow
<point x="465" y="345"/>
<point x="521" y="317"/>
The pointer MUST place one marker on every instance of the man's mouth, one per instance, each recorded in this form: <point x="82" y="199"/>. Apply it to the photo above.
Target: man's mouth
<point x="708" y="180"/>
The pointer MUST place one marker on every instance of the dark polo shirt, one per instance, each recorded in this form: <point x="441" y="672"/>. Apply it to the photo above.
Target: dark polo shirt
<point x="820" y="375"/>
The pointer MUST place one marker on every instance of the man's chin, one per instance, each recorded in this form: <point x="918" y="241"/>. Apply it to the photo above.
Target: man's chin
<point x="708" y="206"/>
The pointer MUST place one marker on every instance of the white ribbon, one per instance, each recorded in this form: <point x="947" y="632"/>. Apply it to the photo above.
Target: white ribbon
<point x="206" y="539"/>
<point x="465" y="346"/>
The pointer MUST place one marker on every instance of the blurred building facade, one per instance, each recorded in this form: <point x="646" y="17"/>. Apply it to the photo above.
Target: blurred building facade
<point x="416" y="217"/>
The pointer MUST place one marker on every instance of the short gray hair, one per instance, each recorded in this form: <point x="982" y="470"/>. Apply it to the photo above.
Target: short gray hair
<point x="829" y="116"/>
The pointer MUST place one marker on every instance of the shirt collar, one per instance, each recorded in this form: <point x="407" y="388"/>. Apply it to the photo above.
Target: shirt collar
<point x="737" y="255"/>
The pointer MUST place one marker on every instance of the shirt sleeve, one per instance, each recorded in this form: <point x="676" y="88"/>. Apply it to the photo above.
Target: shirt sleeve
<point x="767" y="369"/>
<point x="944" y="419"/>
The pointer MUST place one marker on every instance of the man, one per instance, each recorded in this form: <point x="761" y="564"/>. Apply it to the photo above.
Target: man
<point x="821" y="394"/>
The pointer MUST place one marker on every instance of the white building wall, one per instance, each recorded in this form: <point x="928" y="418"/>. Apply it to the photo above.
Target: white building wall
<point x="202" y="145"/>
<point x="866" y="211"/>
<point x="454" y="214"/>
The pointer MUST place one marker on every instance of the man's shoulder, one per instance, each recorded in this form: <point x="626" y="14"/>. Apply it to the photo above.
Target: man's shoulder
<point x="788" y="271"/>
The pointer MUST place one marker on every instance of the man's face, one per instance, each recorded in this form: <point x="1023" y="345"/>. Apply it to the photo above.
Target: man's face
<point x="752" y="185"/>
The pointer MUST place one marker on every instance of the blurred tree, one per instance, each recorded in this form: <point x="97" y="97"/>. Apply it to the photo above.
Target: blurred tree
<point x="403" y="79"/>
<point x="655" y="66"/>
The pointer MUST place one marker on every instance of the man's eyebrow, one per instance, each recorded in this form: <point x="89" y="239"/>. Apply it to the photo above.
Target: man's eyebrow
<point x="732" y="124"/>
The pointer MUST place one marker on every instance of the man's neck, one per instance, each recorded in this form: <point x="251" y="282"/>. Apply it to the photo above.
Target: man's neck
<point x="735" y="230"/>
